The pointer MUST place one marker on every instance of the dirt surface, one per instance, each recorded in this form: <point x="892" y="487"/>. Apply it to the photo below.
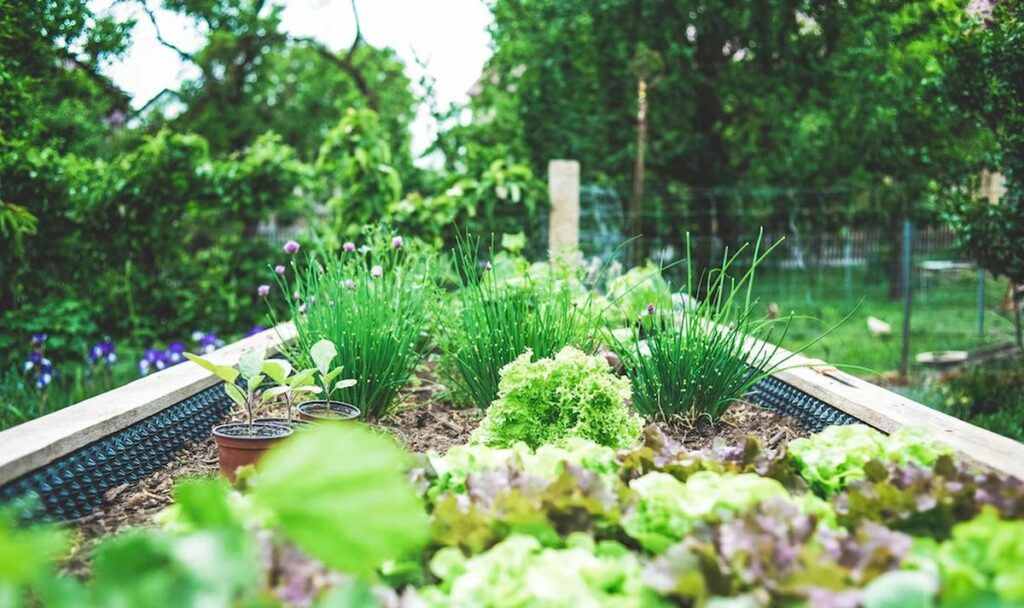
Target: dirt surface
<point x="423" y="421"/>
<point x="740" y="420"/>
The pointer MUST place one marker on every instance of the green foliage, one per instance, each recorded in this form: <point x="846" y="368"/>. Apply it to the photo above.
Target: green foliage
<point x="990" y="396"/>
<point x="666" y="509"/>
<point x="496" y="321"/>
<point x="375" y="322"/>
<point x="354" y="166"/>
<point x="700" y="360"/>
<point x="581" y="573"/>
<point x="983" y="562"/>
<point x="838" y="455"/>
<point x="338" y="492"/>
<point x="26" y="557"/>
<point x="569" y="395"/>
<point x="631" y="293"/>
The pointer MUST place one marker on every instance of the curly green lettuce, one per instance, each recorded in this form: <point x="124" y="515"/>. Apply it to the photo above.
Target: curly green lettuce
<point x="983" y="562"/>
<point x="570" y="395"/>
<point x="520" y="572"/>
<point x="831" y="459"/>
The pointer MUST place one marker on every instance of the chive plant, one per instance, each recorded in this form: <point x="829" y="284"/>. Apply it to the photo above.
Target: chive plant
<point x="492" y="322"/>
<point x="373" y="303"/>
<point x="697" y="361"/>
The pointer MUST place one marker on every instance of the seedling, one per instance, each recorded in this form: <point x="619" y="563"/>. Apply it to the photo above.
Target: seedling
<point x="250" y="368"/>
<point x="323" y="354"/>
<point x="289" y="385"/>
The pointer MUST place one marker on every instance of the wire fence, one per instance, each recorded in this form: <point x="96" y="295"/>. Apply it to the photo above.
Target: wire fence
<point x="861" y="252"/>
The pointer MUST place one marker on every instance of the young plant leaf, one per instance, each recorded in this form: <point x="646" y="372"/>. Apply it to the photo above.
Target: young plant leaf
<point x="226" y="373"/>
<point x="357" y="511"/>
<point x="301" y="378"/>
<point x="331" y="375"/>
<point x="250" y="363"/>
<point x="347" y="383"/>
<point x="275" y="392"/>
<point x="235" y="393"/>
<point x="323" y="352"/>
<point x="254" y="382"/>
<point x="277" y="369"/>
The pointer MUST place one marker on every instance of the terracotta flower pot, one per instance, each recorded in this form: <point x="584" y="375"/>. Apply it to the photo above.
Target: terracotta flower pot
<point x="237" y="448"/>
<point x="324" y="411"/>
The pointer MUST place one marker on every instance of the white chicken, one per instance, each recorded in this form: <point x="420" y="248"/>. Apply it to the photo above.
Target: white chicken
<point x="879" y="328"/>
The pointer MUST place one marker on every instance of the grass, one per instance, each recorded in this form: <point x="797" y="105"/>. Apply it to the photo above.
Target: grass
<point x="943" y="316"/>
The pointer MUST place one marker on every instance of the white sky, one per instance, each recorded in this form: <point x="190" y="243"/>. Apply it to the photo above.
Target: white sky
<point x="450" y="35"/>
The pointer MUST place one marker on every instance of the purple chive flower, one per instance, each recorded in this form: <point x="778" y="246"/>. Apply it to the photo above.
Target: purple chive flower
<point x="488" y="266"/>
<point x="263" y="291"/>
<point x="255" y="330"/>
<point x="38" y="339"/>
<point x="376" y="271"/>
<point x="302" y="309"/>
<point x="279" y="269"/>
<point x="348" y="247"/>
<point x="397" y="242"/>
<point x="650" y="309"/>
<point x="291" y="247"/>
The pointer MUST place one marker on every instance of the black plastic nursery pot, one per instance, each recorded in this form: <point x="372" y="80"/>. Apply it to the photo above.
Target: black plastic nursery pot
<point x="327" y="411"/>
<point x="295" y="424"/>
<point x="238" y="447"/>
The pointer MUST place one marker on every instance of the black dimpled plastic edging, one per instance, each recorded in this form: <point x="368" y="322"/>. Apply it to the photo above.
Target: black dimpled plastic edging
<point x="774" y="394"/>
<point x="73" y="485"/>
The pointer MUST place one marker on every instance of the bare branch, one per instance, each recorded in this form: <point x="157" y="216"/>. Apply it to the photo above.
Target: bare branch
<point x="159" y="37"/>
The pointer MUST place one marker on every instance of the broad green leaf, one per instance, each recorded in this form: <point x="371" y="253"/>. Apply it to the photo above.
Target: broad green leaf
<point x="355" y="508"/>
<point x="224" y="372"/>
<point x="323" y="352"/>
<point x="274" y="392"/>
<point x="254" y="382"/>
<point x="250" y="362"/>
<point x="308" y="388"/>
<point x="331" y="375"/>
<point x="277" y="369"/>
<point x="302" y="377"/>
<point x="350" y="382"/>
<point x="235" y="393"/>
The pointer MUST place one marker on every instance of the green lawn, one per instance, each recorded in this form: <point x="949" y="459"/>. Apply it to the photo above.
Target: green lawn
<point x="944" y="315"/>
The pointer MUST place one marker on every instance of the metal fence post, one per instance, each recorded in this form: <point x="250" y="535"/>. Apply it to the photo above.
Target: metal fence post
<point x="908" y="298"/>
<point x="981" y="301"/>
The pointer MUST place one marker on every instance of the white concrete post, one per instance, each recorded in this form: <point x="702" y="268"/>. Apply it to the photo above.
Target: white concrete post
<point x="564" y="191"/>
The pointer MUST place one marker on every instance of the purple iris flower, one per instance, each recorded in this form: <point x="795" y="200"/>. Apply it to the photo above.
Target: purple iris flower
<point x="38" y="339"/>
<point x="263" y="291"/>
<point x="291" y="247"/>
<point x="153" y="359"/>
<point x="376" y="271"/>
<point x="103" y="351"/>
<point x="41" y="369"/>
<point x="255" y="330"/>
<point x="397" y="242"/>
<point x="279" y="269"/>
<point x="175" y="353"/>
<point x="209" y="342"/>
<point x="34" y="359"/>
<point x="348" y="247"/>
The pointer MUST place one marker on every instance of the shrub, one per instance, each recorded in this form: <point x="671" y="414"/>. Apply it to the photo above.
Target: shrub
<point x="991" y="397"/>
<point x="372" y="303"/>
<point x="496" y="321"/>
<point x="570" y="395"/>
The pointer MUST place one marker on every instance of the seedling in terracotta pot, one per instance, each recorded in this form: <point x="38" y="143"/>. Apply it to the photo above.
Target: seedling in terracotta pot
<point x="290" y="385"/>
<point x="323" y="354"/>
<point x="239" y="444"/>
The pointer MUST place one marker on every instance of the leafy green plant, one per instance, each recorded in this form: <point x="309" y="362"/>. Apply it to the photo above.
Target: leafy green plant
<point x="699" y="360"/>
<point x="251" y="366"/>
<point x="495" y="322"/>
<point x="372" y="303"/>
<point x="631" y="293"/>
<point x="291" y="386"/>
<point x="323" y="354"/>
<point x="569" y="395"/>
<point x="829" y="460"/>
<point x="983" y="563"/>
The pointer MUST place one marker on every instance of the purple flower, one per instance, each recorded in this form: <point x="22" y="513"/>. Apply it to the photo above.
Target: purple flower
<point x="153" y="359"/>
<point x="488" y="266"/>
<point x="255" y="330"/>
<point x="103" y="351"/>
<point x="291" y="247"/>
<point x="650" y="309"/>
<point x="34" y="359"/>
<point x="175" y="353"/>
<point x="397" y="242"/>
<point x="43" y="380"/>
<point x="38" y="339"/>
<point x="263" y="290"/>
<point x="348" y="247"/>
<point x="279" y="269"/>
<point x="208" y="342"/>
<point x="376" y="271"/>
